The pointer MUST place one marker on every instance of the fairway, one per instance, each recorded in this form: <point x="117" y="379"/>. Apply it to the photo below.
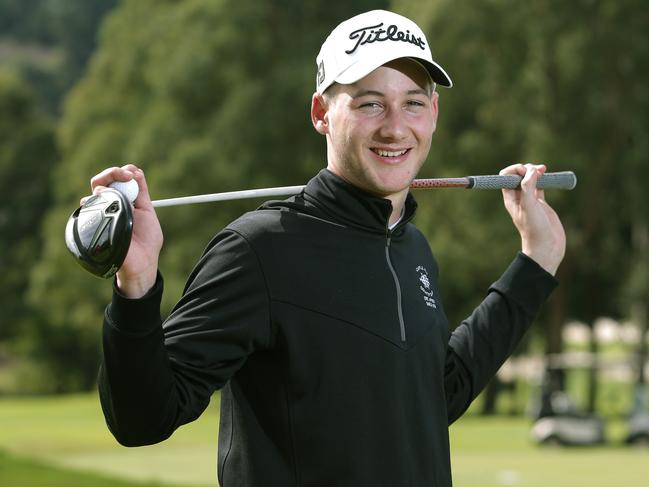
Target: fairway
<point x="30" y="473"/>
<point x="65" y="440"/>
<point x="495" y="452"/>
<point x="69" y="433"/>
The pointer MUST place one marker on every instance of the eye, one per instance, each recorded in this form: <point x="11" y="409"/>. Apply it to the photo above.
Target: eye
<point x="370" y="107"/>
<point x="415" y="105"/>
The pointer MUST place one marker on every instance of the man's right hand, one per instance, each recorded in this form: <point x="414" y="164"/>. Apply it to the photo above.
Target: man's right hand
<point x="139" y="270"/>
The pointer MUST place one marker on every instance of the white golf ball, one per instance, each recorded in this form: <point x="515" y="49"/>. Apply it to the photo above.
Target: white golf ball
<point x="129" y="189"/>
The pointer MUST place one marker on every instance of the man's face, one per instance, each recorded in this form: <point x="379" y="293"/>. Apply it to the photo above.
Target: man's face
<point x="379" y="129"/>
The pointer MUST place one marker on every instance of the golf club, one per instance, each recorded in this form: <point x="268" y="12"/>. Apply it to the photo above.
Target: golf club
<point x="98" y="233"/>
<point x="552" y="180"/>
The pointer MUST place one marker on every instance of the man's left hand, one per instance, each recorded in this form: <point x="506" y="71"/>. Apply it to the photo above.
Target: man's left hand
<point x="542" y="235"/>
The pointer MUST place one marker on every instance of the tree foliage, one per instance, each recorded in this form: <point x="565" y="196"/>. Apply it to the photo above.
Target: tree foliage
<point x="554" y="82"/>
<point x="44" y="46"/>
<point x="205" y="96"/>
<point x="49" y="42"/>
<point x="213" y="95"/>
<point x="27" y="154"/>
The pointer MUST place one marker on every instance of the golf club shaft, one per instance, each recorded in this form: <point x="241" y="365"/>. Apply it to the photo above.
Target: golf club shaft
<point x="553" y="180"/>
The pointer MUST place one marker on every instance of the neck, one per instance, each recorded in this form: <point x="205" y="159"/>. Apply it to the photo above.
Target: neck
<point x="398" y="203"/>
<point x="398" y="200"/>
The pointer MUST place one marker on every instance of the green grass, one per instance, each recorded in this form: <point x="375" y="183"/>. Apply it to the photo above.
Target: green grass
<point x="21" y="472"/>
<point x="495" y="452"/>
<point x="63" y="441"/>
<point x="69" y="433"/>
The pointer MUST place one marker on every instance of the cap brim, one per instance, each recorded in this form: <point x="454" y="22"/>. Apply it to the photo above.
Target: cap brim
<point x="437" y="73"/>
<point x="361" y="69"/>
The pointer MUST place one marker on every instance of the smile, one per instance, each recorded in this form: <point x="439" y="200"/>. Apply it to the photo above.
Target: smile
<point x="386" y="153"/>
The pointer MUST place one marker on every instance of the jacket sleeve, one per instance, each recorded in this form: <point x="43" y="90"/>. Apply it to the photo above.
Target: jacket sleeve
<point x="157" y="376"/>
<point x="481" y="344"/>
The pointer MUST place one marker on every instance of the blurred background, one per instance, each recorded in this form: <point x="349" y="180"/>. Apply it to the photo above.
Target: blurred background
<point x="213" y="95"/>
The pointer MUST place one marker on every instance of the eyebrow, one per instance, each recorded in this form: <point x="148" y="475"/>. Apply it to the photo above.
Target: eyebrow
<point x="362" y="93"/>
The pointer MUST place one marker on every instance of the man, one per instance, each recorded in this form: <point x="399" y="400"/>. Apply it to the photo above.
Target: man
<point x="319" y="317"/>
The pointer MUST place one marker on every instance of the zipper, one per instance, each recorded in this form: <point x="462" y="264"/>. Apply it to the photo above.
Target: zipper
<point x="402" y="324"/>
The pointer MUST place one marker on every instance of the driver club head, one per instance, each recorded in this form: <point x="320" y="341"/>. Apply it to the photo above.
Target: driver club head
<point x="98" y="233"/>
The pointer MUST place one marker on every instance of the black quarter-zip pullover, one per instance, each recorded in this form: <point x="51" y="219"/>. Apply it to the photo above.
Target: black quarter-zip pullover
<point x="326" y="333"/>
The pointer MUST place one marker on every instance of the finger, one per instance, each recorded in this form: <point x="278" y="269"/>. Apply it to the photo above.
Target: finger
<point x="511" y="197"/>
<point x="95" y="191"/>
<point x="530" y="193"/>
<point x="528" y="183"/>
<point x="540" y="169"/>
<point x="109" y="175"/>
<point x="514" y="169"/>
<point x="130" y="167"/>
<point x="98" y="189"/>
<point x="143" y="198"/>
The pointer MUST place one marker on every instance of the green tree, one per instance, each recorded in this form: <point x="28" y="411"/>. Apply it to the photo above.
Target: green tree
<point x="206" y="96"/>
<point x="49" y="41"/>
<point x="44" y="46"/>
<point x="555" y="82"/>
<point x="27" y="155"/>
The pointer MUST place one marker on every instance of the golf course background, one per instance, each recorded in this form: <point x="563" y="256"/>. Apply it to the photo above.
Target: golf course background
<point x="213" y="95"/>
<point x="63" y="442"/>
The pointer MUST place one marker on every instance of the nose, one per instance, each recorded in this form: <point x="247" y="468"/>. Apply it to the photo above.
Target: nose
<point x="394" y="126"/>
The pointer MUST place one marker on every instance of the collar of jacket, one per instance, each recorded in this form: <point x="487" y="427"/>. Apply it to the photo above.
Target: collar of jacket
<point x="351" y="206"/>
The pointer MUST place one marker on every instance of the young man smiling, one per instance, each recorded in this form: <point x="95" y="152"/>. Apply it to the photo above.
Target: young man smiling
<point x="379" y="129"/>
<point x="319" y="317"/>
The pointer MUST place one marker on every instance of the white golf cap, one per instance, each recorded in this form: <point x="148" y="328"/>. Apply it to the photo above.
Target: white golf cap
<point x="359" y="45"/>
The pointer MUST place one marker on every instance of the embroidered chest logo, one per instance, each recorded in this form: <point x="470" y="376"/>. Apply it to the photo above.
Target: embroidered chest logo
<point x="425" y="287"/>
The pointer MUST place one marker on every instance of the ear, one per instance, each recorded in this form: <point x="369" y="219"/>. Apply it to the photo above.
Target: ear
<point x="319" y="114"/>
<point x="435" y="108"/>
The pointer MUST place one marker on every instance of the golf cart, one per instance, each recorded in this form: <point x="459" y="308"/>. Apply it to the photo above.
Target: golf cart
<point x="639" y="419"/>
<point x="558" y="420"/>
<point x="565" y="425"/>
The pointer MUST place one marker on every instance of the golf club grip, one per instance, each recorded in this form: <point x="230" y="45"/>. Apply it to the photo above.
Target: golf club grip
<point x="551" y="180"/>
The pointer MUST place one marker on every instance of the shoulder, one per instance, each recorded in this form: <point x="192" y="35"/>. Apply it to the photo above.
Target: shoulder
<point x="293" y="216"/>
<point x="256" y="223"/>
<point x="254" y="228"/>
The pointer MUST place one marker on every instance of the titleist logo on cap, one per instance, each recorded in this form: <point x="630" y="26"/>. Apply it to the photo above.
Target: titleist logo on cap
<point x="374" y="33"/>
<point x="361" y="44"/>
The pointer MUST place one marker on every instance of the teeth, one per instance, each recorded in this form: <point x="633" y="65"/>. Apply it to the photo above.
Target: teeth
<point x="385" y="153"/>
